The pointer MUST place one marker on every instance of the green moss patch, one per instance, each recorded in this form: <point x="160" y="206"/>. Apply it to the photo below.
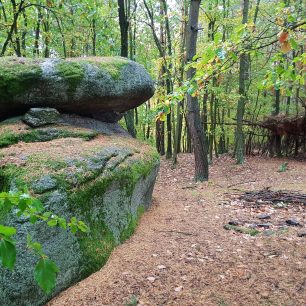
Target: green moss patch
<point x="132" y="224"/>
<point x="17" y="76"/>
<point x="72" y="73"/>
<point x="241" y="229"/>
<point x="7" y="137"/>
<point x="112" y="65"/>
<point x="100" y="242"/>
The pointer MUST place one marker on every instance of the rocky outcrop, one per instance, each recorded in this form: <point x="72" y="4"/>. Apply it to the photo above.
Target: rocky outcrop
<point x="37" y="117"/>
<point x="97" y="87"/>
<point x="76" y="170"/>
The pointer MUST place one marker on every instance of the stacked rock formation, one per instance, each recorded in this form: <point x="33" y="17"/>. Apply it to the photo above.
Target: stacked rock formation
<point x="93" y="87"/>
<point x="75" y="164"/>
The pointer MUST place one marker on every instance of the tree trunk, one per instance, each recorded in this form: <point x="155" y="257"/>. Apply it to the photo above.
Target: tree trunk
<point x="243" y="77"/>
<point x="193" y="114"/>
<point x="180" y="105"/>
<point x="94" y="37"/>
<point x="37" y="33"/>
<point x="124" y="34"/>
<point x="13" y="28"/>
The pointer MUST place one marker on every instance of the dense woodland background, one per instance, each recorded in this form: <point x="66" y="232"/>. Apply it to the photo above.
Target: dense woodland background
<point x="229" y="74"/>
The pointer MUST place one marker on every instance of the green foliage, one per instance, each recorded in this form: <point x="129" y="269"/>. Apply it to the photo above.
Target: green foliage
<point x="45" y="274"/>
<point x="24" y="206"/>
<point x="243" y="230"/>
<point x="133" y="301"/>
<point x="7" y="139"/>
<point x="283" y="167"/>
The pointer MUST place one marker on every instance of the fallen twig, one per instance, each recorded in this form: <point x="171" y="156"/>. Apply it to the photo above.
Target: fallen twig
<point x="176" y="232"/>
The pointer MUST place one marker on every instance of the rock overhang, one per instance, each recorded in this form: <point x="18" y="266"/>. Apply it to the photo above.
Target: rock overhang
<point x="86" y="86"/>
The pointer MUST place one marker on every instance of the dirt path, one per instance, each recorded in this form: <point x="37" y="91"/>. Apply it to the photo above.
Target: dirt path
<point x="182" y="255"/>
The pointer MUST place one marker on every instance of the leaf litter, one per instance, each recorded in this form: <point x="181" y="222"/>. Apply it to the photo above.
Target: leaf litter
<point x="205" y="263"/>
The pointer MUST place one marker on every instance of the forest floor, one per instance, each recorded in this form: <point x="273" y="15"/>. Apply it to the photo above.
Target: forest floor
<point x="181" y="254"/>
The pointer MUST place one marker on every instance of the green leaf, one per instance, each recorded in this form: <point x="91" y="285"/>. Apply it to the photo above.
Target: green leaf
<point x="218" y="37"/>
<point x="73" y="220"/>
<point x="52" y="222"/>
<point x="62" y="223"/>
<point x="291" y="18"/>
<point x="83" y="227"/>
<point x="33" y="219"/>
<point x="45" y="274"/>
<point x="7" y="254"/>
<point x="37" y="205"/>
<point x="294" y="45"/>
<point x="7" y="204"/>
<point x="191" y="90"/>
<point x="22" y="205"/>
<point x="73" y="228"/>
<point x="47" y="214"/>
<point x="35" y="246"/>
<point x="233" y="55"/>
<point x="7" y="230"/>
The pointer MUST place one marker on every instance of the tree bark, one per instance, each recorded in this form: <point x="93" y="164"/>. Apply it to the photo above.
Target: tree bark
<point x="193" y="114"/>
<point x="124" y="34"/>
<point x="13" y="28"/>
<point x="243" y="77"/>
<point x="180" y="104"/>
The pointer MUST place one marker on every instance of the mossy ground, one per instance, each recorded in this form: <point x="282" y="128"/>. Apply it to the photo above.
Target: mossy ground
<point x="242" y="229"/>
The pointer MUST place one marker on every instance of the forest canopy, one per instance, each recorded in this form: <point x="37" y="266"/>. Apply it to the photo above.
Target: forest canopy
<point x="222" y="69"/>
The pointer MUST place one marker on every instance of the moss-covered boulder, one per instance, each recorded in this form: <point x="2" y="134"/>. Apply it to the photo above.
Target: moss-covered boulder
<point x="37" y="116"/>
<point x="106" y="181"/>
<point x="86" y="86"/>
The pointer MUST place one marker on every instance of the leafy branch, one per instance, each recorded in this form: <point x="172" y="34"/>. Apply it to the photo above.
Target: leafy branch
<point x="28" y="207"/>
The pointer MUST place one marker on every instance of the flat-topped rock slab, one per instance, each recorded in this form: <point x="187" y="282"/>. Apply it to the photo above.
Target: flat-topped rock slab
<point x="89" y="86"/>
<point x="82" y="168"/>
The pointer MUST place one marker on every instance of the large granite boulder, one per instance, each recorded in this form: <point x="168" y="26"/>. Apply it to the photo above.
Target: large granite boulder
<point x="105" y="179"/>
<point x="89" y="86"/>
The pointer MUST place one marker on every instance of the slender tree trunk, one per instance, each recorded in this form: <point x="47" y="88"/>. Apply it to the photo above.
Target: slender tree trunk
<point x="24" y="33"/>
<point x="168" y="78"/>
<point x="160" y="137"/>
<point x="94" y="37"/>
<point x="193" y="114"/>
<point x="3" y="11"/>
<point x="47" y="35"/>
<point x="277" y="139"/>
<point x="180" y="105"/>
<point x="37" y="33"/>
<point x="124" y="28"/>
<point x="13" y="28"/>
<point x="243" y="77"/>
<point x="124" y="34"/>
